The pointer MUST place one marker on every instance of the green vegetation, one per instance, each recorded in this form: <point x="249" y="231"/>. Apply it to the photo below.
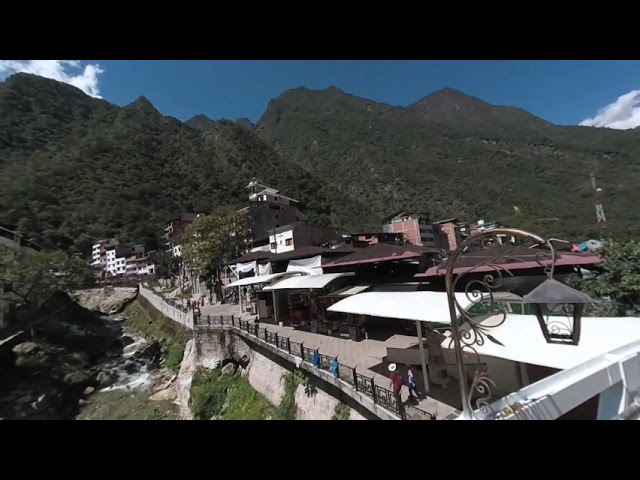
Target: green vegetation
<point x="125" y="405"/>
<point x="211" y="241"/>
<point x="226" y="397"/>
<point x="75" y="168"/>
<point x="172" y="336"/>
<point x="616" y="289"/>
<point x="30" y="278"/>
<point x="287" y="408"/>
<point x="341" y="412"/>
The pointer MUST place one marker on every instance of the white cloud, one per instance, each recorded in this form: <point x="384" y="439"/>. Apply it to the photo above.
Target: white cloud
<point x="622" y="114"/>
<point x="67" y="71"/>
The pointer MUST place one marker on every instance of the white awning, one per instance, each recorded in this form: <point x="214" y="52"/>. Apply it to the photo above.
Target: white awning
<point x="258" y="279"/>
<point x="432" y="307"/>
<point x="352" y="290"/>
<point x="523" y="341"/>
<point x="307" y="281"/>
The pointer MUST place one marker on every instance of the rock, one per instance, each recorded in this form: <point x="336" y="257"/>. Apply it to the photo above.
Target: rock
<point x="126" y="340"/>
<point x="88" y="391"/>
<point x="168" y="394"/>
<point x="82" y="402"/>
<point x="77" y="379"/>
<point x="131" y="367"/>
<point x="185" y="377"/>
<point x="26" y="348"/>
<point x="211" y="363"/>
<point x="229" y="369"/>
<point x="107" y="300"/>
<point x="106" y="379"/>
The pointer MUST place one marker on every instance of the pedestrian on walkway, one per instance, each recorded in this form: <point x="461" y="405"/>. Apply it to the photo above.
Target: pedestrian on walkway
<point x="411" y="383"/>
<point x="396" y="382"/>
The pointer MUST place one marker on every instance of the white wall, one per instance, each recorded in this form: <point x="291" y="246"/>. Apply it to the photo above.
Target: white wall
<point x="281" y="240"/>
<point x="185" y="319"/>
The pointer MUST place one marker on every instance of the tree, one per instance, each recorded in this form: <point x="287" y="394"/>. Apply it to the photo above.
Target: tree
<point x="617" y="288"/>
<point x="167" y="266"/>
<point x="30" y="278"/>
<point x="211" y="241"/>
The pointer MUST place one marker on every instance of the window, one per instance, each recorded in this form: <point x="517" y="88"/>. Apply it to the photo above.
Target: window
<point x="274" y="245"/>
<point x="289" y="242"/>
<point x="277" y="217"/>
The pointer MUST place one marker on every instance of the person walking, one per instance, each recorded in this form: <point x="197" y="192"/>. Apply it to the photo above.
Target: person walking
<point x="396" y="382"/>
<point x="411" y="383"/>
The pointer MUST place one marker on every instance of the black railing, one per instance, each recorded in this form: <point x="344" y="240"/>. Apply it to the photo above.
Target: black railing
<point x="389" y="400"/>
<point x="362" y="384"/>
<point x="295" y="348"/>
<point x="272" y="338"/>
<point x="262" y="333"/>
<point x="283" y="343"/>
<point x="346" y="373"/>
<point x="307" y="353"/>
<point x="325" y="362"/>
<point x="414" y="413"/>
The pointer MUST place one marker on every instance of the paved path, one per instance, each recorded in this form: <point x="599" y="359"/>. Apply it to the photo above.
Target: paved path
<point x="364" y="354"/>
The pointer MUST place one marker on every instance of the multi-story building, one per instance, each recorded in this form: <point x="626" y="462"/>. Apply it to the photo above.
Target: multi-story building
<point x="417" y="229"/>
<point x="174" y="229"/>
<point x="268" y="210"/>
<point x="116" y="257"/>
<point x="140" y="264"/>
<point x="301" y="234"/>
<point x="366" y="239"/>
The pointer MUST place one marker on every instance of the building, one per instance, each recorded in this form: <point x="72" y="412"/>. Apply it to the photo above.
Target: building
<point x="268" y="210"/>
<point x="99" y="253"/>
<point x="454" y="230"/>
<point x="417" y="229"/>
<point x="174" y="229"/>
<point x="301" y="234"/>
<point x="361" y="240"/>
<point x="140" y="264"/>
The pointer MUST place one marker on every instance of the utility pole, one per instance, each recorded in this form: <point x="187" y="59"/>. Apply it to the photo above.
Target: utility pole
<point x="597" y="200"/>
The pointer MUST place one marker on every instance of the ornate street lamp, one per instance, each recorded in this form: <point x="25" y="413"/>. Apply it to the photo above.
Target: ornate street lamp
<point x="469" y="330"/>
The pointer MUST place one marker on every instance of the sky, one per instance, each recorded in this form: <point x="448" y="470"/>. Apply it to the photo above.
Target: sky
<point x="603" y="93"/>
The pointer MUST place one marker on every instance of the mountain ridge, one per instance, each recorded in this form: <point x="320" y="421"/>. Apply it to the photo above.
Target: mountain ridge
<point x="75" y="168"/>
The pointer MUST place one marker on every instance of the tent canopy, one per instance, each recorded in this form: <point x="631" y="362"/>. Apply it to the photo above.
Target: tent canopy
<point x="430" y="307"/>
<point x="523" y="341"/>
<point x="307" y="281"/>
<point x="258" y="279"/>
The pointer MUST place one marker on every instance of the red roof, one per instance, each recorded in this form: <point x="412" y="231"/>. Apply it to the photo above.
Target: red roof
<point x="510" y="258"/>
<point x="380" y="252"/>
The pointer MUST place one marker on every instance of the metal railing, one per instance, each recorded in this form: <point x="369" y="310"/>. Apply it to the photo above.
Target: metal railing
<point x="361" y="383"/>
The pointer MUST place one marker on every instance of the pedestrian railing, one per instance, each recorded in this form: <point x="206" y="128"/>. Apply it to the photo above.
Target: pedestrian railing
<point x="361" y="383"/>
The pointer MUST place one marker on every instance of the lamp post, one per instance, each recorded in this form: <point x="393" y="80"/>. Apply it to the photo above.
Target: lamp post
<point x="468" y="330"/>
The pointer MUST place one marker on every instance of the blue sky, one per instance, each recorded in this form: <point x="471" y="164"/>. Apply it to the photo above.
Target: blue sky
<point x="564" y="92"/>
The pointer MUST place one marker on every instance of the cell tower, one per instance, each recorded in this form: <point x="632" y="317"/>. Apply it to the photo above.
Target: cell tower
<point x="597" y="200"/>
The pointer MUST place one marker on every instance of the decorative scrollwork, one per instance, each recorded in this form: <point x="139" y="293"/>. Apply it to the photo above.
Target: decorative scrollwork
<point x="496" y="252"/>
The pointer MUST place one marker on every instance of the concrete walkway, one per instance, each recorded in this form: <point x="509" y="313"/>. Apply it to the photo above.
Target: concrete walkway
<point x="364" y="355"/>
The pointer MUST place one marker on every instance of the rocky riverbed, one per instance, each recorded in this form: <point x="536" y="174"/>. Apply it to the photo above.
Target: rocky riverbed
<point x="87" y="365"/>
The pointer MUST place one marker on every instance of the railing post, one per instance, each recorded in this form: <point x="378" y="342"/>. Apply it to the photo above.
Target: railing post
<point x="355" y="379"/>
<point x="276" y="339"/>
<point x="302" y="351"/>
<point x="289" y="346"/>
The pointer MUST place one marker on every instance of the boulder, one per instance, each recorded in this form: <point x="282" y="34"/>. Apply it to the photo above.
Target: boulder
<point x="77" y="379"/>
<point x="229" y="369"/>
<point x="131" y="367"/>
<point x="106" y="300"/>
<point x="88" y="391"/>
<point x="26" y="348"/>
<point x="126" y="340"/>
<point x="168" y="394"/>
<point x="106" y="379"/>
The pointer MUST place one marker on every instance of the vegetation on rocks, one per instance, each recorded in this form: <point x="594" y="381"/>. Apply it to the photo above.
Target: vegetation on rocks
<point x="127" y="405"/>
<point x="171" y="335"/>
<point x="226" y="396"/>
<point x="30" y="278"/>
<point x="287" y="407"/>
<point x="341" y="412"/>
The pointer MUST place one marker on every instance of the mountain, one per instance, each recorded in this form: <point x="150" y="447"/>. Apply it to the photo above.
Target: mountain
<point x="74" y="169"/>
<point x="451" y="154"/>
